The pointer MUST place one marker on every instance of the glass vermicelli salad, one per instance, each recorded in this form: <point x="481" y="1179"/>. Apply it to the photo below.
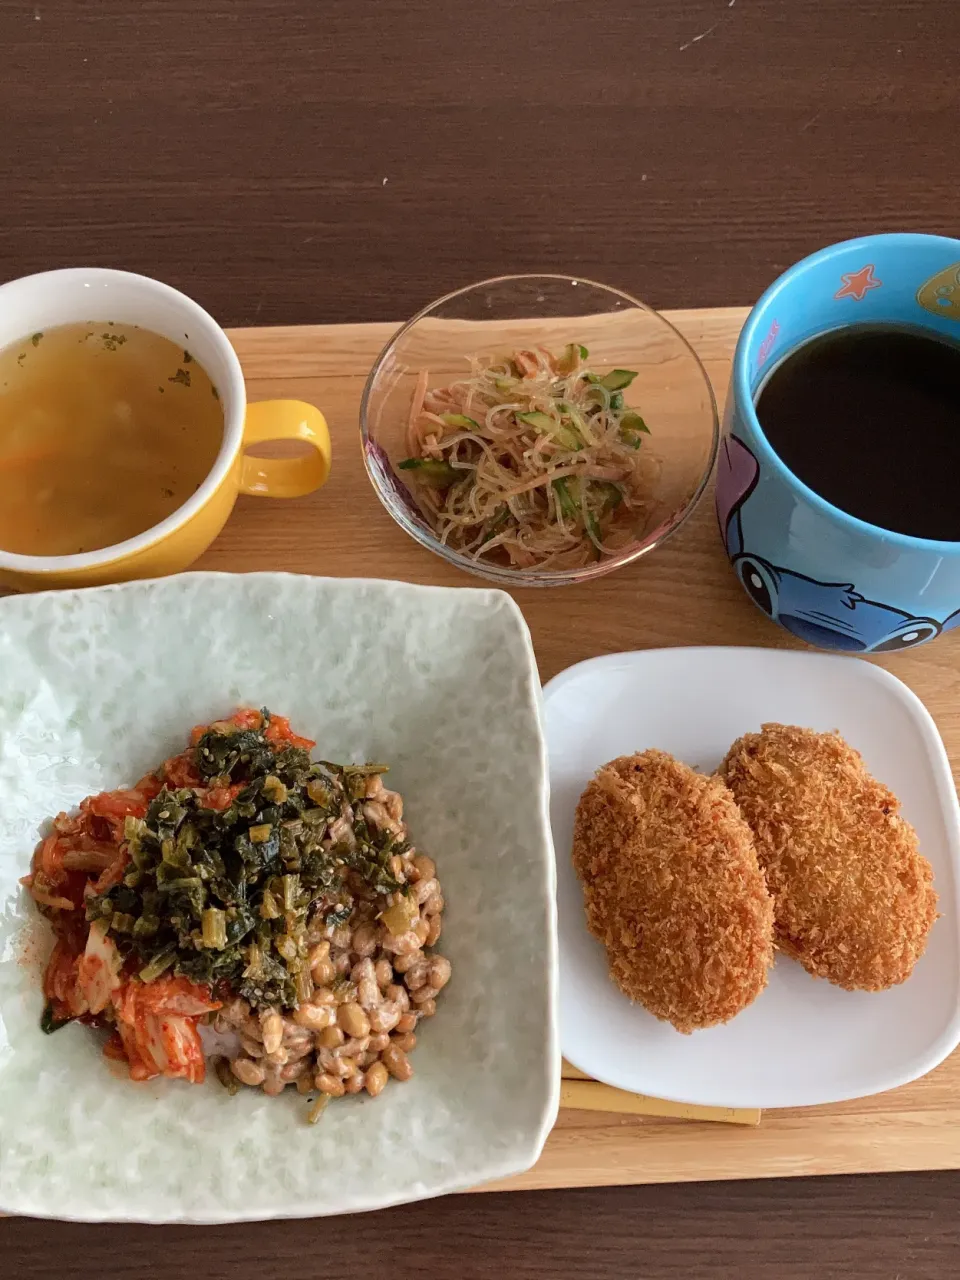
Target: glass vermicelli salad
<point x="534" y="460"/>
<point x="242" y="888"/>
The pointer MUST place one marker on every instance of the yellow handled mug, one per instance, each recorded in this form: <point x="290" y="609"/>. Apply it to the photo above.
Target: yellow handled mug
<point x="78" y="294"/>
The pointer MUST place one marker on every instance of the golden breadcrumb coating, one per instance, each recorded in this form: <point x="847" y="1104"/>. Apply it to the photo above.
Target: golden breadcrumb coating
<point x="854" y="900"/>
<point x="673" y="889"/>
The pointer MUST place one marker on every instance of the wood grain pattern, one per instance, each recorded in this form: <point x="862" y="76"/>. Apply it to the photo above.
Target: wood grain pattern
<point x="809" y="1229"/>
<point x="590" y="1095"/>
<point x="343" y="530"/>
<point x="603" y="1097"/>
<point x="290" y="161"/>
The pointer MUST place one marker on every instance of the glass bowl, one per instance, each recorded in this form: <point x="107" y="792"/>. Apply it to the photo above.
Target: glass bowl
<point x="496" y="317"/>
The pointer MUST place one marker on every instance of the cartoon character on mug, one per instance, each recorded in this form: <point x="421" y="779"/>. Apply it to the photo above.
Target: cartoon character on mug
<point x="831" y="615"/>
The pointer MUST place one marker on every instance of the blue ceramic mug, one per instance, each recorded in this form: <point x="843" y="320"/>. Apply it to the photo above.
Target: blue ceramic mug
<point x="827" y="577"/>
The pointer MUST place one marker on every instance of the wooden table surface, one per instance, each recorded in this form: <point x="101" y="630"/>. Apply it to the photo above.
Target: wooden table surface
<point x="308" y="161"/>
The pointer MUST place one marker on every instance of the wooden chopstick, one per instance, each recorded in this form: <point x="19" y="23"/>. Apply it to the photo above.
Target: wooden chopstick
<point x="577" y="1092"/>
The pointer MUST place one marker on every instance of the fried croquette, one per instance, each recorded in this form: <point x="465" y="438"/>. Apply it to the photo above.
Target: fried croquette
<point x="853" y="897"/>
<point x="673" y="889"/>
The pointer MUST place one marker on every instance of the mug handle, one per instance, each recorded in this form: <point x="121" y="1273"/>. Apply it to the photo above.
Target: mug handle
<point x="285" y="477"/>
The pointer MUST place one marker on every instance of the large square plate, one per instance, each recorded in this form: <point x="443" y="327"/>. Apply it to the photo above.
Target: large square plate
<point x="803" y="1041"/>
<point x="98" y="686"/>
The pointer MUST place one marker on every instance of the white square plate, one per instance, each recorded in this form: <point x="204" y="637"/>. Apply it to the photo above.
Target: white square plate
<point x="98" y="686"/>
<point x="803" y="1041"/>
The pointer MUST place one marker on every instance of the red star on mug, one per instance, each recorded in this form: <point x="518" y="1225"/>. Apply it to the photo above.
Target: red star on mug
<point x="857" y="284"/>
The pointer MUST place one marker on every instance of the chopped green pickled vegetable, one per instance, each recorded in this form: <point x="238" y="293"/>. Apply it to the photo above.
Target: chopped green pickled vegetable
<point x="460" y="420"/>
<point x="269" y="907"/>
<point x="291" y="890"/>
<point x="239" y="753"/>
<point x="287" y="948"/>
<point x="49" y="1022"/>
<point x="274" y="790"/>
<point x="319" y="792"/>
<point x="357" y="770"/>
<point x="226" y="895"/>
<point x="618" y="379"/>
<point x="438" y="475"/>
<point x="304" y="985"/>
<point x="318" y="1108"/>
<point x="213" y="924"/>
<point x="159" y="964"/>
<point x="401" y="916"/>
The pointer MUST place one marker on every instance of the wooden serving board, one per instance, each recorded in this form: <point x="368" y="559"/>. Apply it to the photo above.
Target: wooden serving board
<point x="681" y="594"/>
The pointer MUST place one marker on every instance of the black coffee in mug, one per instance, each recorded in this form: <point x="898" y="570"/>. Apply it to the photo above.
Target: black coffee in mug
<point x="868" y="417"/>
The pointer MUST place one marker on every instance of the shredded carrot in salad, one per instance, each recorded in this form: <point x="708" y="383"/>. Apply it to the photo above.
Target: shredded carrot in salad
<point x="533" y="461"/>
